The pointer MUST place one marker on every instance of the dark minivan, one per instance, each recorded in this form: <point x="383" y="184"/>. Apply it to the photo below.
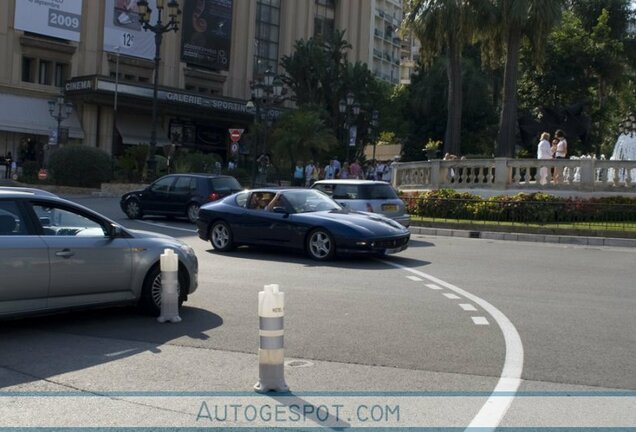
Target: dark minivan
<point x="178" y="195"/>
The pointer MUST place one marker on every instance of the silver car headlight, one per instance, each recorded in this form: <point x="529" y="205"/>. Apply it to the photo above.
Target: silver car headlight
<point x="186" y="249"/>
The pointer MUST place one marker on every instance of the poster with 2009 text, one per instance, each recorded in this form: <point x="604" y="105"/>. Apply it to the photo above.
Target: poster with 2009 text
<point x="60" y="18"/>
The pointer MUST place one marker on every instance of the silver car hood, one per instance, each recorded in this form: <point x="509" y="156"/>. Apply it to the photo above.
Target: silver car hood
<point x="150" y="234"/>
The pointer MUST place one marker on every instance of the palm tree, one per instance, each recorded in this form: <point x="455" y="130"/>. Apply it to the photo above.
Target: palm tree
<point x="512" y="20"/>
<point x="301" y="135"/>
<point x="444" y="26"/>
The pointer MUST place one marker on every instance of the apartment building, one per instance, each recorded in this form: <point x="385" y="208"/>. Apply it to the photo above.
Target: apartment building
<point x="96" y="54"/>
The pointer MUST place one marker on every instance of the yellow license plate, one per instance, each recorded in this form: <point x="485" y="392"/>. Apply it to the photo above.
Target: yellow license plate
<point x="389" y="207"/>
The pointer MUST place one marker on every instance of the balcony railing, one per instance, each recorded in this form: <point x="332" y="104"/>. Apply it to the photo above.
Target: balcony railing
<point x="588" y="175"/>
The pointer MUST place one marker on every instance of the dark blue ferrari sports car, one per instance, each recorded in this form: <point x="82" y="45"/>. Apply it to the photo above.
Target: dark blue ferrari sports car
<point x="303" y="219"/>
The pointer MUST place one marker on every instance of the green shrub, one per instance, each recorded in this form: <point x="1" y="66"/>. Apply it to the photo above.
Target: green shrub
<point x="523" y="207"/>
<point x="196" y="162"/>
<point x="29" y="172"/>
<point x="131" y="166"/>
<point x="80" y="166"/>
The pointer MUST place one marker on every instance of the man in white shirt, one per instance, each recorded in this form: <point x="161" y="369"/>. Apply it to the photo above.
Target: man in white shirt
<point x="544" y="152"/>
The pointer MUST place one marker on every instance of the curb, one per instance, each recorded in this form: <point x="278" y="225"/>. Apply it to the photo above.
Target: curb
<point x="537" y="238"/>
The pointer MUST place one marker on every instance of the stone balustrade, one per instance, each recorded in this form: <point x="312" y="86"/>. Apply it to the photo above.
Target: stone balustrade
<point x="589" y="175"/>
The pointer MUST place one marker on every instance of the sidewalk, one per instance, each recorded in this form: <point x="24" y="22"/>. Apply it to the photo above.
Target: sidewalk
<point x="114" y="383"/>
<point x="512" y="236"/>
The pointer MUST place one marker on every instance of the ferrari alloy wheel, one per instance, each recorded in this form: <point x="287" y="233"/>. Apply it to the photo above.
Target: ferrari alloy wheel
<point x="320" y="245"/>
<point x="193" y="212"/>
<point x="133" y="209"/>
<point x="221" y="236"/>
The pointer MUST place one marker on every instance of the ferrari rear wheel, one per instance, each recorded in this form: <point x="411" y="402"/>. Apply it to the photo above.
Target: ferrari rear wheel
<point x="320" y="245"/>
<point x="221" y="236"/>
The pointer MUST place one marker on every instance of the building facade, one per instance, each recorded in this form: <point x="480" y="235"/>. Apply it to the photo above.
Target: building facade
<point x="96" y="54"/>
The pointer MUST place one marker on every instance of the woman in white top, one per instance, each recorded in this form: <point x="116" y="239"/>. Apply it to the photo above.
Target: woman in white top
<point x="562" y="146"/>
<point x="543" y="152"/>
<point x="561" y="152"/>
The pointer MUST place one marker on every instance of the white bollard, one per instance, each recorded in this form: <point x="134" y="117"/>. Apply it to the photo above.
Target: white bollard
<point x="271" y="356"/>
<point x="169" y="284"/>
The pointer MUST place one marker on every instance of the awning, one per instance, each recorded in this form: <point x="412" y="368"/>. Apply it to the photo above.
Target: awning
<point x="135" y="130"/>
<point x="31" y="115"/>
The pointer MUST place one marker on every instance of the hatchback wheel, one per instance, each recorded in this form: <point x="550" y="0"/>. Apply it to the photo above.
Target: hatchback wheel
<point x="320" y="245"/>
<point x="133" y="209"/>
<point x="193" y="212"/>
<point x="150" y="301"/>
<point x="221" y="236"/>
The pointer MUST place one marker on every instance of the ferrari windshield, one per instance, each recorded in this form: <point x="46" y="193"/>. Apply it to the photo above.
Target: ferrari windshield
<point x="306" y="201"/>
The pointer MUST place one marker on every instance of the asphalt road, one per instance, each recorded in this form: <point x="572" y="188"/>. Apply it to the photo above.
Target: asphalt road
<point x="426" y="310"/>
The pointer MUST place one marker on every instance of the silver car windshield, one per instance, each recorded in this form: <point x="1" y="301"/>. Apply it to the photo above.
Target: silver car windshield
<point x="307" y="201"/>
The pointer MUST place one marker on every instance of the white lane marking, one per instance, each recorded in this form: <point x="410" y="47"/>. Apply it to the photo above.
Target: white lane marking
<point x="479" y="320"/>
<point x="451" y="296"/>
<point x="414" y="278"/>
<point x="166" y="226"/>
<point x="434" y="287"/>
<point x="468" y="307"/>
<point x="492" y="412"/>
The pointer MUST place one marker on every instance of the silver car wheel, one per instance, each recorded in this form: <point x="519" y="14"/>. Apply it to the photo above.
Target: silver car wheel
<point x="321" y="245"/>
<point x="156" y="290"/>
<point x="193" y="212"/>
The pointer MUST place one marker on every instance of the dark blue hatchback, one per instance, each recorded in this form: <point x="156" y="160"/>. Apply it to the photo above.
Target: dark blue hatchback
<point x="178" y="195"/>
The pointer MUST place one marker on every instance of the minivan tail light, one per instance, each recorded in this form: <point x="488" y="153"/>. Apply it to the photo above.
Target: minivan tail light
<point x="213" y="196"/>
<point x="369" y="208"/>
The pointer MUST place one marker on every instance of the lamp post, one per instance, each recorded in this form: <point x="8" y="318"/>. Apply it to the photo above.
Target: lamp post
<point x="347" y="107"/>
<point x="375" y="120"/>
<point x="60" y="110"/>
<point x="159" y="28"/>
<point x="114" y="137"/>
<point x="266" y="92"/>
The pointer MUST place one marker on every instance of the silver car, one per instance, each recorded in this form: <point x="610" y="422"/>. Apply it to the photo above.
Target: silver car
<point x="58" y="255"/>
<point x="366" y="195"/>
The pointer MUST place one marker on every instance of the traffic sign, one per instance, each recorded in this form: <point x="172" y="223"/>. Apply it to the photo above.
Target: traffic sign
<point x="235" y="134"/>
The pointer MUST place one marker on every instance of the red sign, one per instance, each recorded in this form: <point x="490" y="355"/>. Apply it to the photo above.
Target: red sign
<point x="42" y="174"/>
<point x="235" y="134"/>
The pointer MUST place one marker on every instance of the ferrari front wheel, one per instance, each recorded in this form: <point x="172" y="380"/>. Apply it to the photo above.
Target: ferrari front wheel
<point x="320" y="245"/>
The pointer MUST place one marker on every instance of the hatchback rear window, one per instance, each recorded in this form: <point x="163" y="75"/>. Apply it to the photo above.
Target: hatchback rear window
<point x="225" y="184"/>
<point x="377" y="192"/>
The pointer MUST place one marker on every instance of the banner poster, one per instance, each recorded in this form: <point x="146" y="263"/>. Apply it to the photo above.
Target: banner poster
<point x="207" y="33"/>
<point x="123" y="31"/>
<point x="56" y="18"/>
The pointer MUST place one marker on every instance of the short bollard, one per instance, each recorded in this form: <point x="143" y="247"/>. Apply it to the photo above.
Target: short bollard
<point x="169" y="287"/>
<point x="271" y="356"/>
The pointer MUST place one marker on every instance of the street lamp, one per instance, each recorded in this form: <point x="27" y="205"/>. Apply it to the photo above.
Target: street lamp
<point x="266" y="92"/>
<point x="375" y="120"/>
<point x="60" y="110"/>
<point x="347" y="107"/>
<point x="159" y="28"/>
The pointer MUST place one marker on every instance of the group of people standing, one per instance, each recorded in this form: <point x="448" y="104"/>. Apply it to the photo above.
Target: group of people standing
<point x="555" y="149"/>
<point x="306" y="175"/>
